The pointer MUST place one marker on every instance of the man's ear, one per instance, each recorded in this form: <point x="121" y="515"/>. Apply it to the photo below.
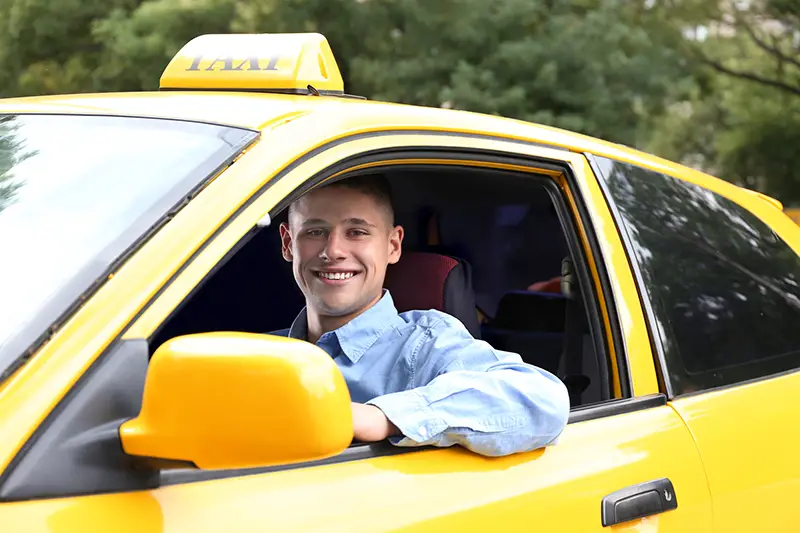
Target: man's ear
<point x="396" y="244"/>
<point x="286" y="242"/>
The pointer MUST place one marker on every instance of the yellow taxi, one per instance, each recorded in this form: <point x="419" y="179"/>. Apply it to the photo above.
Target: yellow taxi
<point x="141" y="277"/>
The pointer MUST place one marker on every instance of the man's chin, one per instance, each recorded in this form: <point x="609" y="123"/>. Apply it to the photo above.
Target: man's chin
<point x="341" y="307"/>
<point x="337" y="309"/>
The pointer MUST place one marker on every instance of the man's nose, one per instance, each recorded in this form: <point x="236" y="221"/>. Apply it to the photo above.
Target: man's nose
<point x="335" y="247"/>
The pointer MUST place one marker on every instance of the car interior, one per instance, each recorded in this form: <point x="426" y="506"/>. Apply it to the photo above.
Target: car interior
<point x="487" y="247"/>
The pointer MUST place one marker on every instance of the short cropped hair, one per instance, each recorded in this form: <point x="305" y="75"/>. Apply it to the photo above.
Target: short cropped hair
<point x="375" y="186"/>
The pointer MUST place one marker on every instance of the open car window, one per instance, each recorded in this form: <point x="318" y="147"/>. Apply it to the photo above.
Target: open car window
<point x="505" y="227"/>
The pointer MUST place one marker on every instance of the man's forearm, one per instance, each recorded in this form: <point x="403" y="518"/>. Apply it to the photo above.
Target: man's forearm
<point x="493" y="413"/>
<point x="370" y="424"/>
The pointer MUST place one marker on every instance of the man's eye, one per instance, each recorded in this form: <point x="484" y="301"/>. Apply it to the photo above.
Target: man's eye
<point x="358" y="233"/>
<point x="315" y="233"/>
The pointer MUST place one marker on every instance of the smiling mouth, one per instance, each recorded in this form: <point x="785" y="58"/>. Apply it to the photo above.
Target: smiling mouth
<point x="335" y="276"/>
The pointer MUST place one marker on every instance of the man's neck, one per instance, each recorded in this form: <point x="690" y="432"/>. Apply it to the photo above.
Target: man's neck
<point x="319" y="324"/>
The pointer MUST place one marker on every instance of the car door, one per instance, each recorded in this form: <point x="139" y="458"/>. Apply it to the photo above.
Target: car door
<point x="634" y="442"/>
<point x="729" y="305"/>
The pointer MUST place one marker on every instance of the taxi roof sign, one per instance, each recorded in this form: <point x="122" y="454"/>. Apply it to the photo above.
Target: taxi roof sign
<point x="286" y="63"/>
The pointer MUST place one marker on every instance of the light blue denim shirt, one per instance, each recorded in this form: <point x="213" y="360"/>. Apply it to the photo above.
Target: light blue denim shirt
<point x="440" y="386"/>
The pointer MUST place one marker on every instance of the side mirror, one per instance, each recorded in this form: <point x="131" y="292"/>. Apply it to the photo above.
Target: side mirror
<point x="239" y="400"/>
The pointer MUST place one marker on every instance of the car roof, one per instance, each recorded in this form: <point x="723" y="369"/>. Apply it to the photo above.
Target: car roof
<point x="266" y="111"/>
<point x="262" y="111"/>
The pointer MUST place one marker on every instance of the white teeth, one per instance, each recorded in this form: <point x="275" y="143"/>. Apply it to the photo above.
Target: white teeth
<point x="336" y="275"/>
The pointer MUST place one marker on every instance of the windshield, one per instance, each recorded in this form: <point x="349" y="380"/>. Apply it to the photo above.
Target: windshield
<point x="76" y="192"/>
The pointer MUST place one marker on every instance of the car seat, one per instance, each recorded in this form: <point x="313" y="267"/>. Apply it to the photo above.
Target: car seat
<point x="423" y="280"/>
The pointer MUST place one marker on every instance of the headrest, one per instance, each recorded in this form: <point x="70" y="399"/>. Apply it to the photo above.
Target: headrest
<point x="422" y="281"/>
<point x="531" y="311"/>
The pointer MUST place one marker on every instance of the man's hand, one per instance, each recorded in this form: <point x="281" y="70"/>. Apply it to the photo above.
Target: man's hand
<point x="370" y="424"/>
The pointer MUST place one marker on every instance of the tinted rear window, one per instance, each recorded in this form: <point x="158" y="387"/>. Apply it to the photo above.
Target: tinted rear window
<point x="724" y="288"/>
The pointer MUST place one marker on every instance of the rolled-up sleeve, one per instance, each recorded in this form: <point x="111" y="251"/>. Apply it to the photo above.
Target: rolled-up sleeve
<point x="465" y="392"/>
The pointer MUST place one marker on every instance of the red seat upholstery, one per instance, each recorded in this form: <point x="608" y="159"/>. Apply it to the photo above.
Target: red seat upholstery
<point x="422" y="281"/>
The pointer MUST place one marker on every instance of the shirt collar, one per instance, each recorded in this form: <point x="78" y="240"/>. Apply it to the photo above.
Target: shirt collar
<point x="358" y="335"/>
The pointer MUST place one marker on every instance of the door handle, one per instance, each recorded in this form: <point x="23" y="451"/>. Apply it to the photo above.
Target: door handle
<point x="638" y="501"/>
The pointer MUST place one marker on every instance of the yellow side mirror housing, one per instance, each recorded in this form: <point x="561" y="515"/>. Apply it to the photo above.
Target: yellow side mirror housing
<point x="240" y="400"/>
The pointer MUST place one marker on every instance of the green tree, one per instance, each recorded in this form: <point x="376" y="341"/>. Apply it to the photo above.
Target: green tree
<point x="585" y="65"/>
<point x="594" y="66"/>
<point x="48" y="47"/>
<point x="138" y="45"/>
<point x="630" y="72"/>
<point x="741" y="121"/>
<point x="98" y="45"/>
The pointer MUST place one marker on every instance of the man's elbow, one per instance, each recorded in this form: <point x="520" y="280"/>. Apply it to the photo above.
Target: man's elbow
<point x="561" y="415"/>
<point x="550" y="413"/>
<point x="546" y="417"/>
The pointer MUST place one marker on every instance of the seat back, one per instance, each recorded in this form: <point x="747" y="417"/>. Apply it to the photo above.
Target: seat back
<point x="422" y="281"/>
<point x="531" y="324"/>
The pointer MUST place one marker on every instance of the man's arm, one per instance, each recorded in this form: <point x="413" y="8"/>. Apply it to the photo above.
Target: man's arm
<point x="370" y="424"/>
<point x="467" y="393"/>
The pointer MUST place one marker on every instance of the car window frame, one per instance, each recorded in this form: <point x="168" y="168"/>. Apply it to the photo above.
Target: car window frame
<point x="363" y="451"/>
<point x="590" y="412"/>
<point x="370" y="160"/>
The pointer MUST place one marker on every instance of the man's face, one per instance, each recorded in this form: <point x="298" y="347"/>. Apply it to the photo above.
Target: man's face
<point x="340" y="242"/>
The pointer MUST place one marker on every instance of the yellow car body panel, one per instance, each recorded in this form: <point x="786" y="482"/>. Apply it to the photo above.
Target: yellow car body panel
<point x="557" y="489"/>
<point x="747" y="437"/>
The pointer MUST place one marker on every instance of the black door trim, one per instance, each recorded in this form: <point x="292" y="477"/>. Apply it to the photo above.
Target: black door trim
<point x="616" y="407"/>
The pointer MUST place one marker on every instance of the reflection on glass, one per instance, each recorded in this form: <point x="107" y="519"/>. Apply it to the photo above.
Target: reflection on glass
<point x="75" y="193"/>
<point x="723" y="286"/>
<point x="12" y="153"/>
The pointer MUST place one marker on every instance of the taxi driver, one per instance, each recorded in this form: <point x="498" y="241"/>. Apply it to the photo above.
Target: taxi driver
<point x="418" y="377"/>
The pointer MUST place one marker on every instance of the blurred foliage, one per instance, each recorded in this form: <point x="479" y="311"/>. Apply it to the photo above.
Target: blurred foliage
<point x="712" y="84"/>
<point x="741" y="121"/>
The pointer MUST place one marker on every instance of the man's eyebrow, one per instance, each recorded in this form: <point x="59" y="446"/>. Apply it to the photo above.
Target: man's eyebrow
<point x="315" y="222"/>
<point x="359" y="222"/>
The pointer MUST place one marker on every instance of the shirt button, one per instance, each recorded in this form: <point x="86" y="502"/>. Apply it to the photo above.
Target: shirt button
<point x="423" y="432"/>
